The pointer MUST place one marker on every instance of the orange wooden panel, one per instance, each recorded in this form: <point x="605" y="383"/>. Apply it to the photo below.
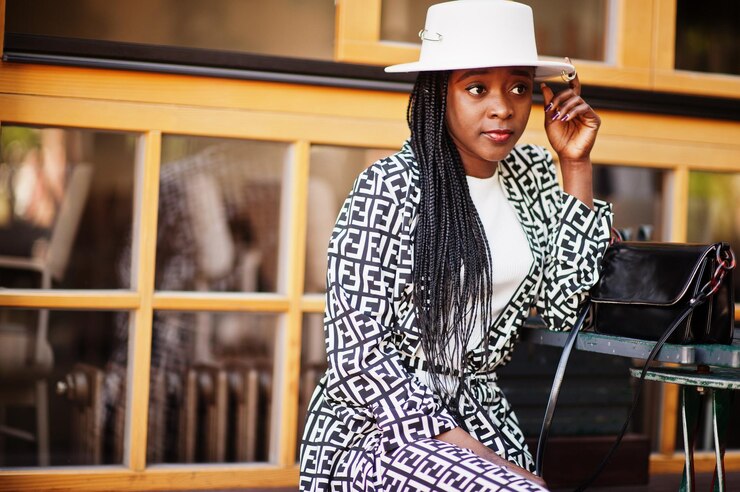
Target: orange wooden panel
<point x="69" y="299"/>
<point x="140" y="345"/>
<point x="194" y="91"/>
<point x="200" y="301"/>
<point x="163" y="477"/>
<point x="703" y="462"/>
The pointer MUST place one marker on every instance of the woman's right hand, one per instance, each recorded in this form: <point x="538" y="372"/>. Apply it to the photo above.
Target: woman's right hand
<point x="460" y="438"/>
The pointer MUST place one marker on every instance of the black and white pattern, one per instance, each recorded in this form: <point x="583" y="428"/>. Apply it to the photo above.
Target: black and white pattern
<point x="371" y="422"/>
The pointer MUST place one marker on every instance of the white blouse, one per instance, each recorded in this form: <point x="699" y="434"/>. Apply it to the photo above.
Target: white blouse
<point x="510" y="252"/>
<point x="511" y="255"/>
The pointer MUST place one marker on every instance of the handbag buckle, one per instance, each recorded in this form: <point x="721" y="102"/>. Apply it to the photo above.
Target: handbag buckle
<point x="724" y="265"/>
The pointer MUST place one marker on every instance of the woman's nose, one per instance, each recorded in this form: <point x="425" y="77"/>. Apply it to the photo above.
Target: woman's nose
<point x="499" y="107"/>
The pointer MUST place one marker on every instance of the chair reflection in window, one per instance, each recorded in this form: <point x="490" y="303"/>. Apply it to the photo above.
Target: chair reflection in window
<point x="211" y="373"/>
<point x="637" y="197"/>
<point x="26" y="356"/>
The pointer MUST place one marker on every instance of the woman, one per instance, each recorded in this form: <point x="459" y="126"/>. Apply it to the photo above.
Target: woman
<point x="437" y="257"/>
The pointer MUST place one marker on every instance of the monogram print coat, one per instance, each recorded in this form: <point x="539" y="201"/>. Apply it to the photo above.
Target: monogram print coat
<point x="371" y="400"/>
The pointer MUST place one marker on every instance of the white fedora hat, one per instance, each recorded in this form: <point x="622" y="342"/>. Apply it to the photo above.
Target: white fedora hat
<point x="480" y="34"/>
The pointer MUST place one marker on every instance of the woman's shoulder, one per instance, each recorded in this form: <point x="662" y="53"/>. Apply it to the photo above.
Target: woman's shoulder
<point x="395" y="176"/>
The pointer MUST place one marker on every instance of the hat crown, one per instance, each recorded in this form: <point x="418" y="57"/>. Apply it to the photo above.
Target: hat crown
<point x="471" y="31"/>
<point x="479" y="33"/>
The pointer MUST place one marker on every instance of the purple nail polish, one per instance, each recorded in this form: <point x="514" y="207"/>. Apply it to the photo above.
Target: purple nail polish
<point x="555" y="116"/>
<point x="548" y="107"/>
<point x="565" y="118"/>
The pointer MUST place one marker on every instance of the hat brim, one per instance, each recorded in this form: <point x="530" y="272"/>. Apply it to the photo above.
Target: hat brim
<point x="542" y="69"/>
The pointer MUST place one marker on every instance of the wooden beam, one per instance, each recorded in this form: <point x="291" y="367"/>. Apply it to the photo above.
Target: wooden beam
<point x="192" y="121"/>
<point x="200" y="301"/>
<point x="288" y="356"/>
<point x="143" y="270"/>
<point x="704" y="462"/>
<point x="163" y="477"/>
<point x="664" y="34"/>
<point x="357" y="21"/>
<point x="313" y="303"/>
<point x="194" y="91"/>
<point x="69" y="299"/>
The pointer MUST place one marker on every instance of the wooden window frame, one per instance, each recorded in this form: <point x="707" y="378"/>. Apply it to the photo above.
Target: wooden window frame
<point x="643" y="36"/>
<point x="665" y="75"/>
<point x="153" y="105"/>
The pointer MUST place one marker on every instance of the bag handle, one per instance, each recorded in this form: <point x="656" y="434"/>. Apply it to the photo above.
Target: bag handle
<point x="726" y="262"/>
<point x="555" y="390"/>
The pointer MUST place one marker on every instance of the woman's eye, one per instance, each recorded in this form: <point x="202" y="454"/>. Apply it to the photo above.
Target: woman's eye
<point x="519" y="89"/>
<point x="475" y="90"/>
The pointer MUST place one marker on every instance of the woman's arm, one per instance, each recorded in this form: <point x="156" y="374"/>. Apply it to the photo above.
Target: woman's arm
<point x="571" y="126"/>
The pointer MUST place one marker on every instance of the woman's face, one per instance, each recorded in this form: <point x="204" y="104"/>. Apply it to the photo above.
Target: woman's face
<point x="487" y="111"/>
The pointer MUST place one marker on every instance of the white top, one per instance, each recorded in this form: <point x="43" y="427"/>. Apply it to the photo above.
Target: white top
<point x="511" y="255"/>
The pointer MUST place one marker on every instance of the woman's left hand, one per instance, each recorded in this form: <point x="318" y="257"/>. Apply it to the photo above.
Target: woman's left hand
<point x="571" y="124"/>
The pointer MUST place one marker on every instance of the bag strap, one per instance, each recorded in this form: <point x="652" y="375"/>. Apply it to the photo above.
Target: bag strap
<point x="638" y="390"/>
<point x="558" y="381"/>
<point x="556" y="384"/>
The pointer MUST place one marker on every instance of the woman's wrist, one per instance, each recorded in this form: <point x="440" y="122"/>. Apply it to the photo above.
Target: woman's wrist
<point x="578" y="179"/>
<point x="576" y="163"/>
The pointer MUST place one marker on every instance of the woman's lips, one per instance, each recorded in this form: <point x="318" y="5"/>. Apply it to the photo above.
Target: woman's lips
<point x="499" y="136"/>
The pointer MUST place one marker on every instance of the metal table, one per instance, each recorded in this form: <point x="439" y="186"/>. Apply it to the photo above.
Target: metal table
<point x="727" y="356"/>
<point x="710" y="370"/>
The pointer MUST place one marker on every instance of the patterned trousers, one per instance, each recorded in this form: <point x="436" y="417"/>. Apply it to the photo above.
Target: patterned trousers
<point x="434" y="465"/>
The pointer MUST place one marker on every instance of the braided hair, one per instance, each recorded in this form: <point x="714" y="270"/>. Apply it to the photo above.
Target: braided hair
<point x="452" y="261"/>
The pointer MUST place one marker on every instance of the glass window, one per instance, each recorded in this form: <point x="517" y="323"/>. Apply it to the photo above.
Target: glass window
<point x="714" y="210"/>
<point x="574" y="28"/>
<point x="708" y="39"/>
<point x="62" y="387"/>
<point x="333" y="171"/>
<point x="66" y="207"/>
<point x="637" y="198"/>
<point x="219" y="214"/>
<point x="296" y="28"/>
<point x="211" y="387"/>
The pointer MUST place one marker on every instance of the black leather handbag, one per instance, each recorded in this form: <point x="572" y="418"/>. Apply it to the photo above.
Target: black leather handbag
<point x="644" y="287"/>
<point x="682" y="293"/>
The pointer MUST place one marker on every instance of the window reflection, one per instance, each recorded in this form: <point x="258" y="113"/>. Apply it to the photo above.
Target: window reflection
<point x="65" y="207"/>
<point x="714" y="210"/>
<point x="296" y="28"/>
<point x="332" y="172"/>
<point x="62" y="387"/>
<point x="211" y="387"/>
<point x="637" y="197"/>
<point x="219" y="214"/>
<point x="574" y="28"/>
<point x="708" y="40"/>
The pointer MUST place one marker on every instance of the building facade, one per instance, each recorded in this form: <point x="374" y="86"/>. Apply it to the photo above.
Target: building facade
<point x="171" y="171"/>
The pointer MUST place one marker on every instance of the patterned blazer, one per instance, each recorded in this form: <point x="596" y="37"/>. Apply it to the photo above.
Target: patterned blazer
<point x="370" y="400"/>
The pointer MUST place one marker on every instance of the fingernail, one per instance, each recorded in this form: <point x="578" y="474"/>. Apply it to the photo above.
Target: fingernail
<point x="555" y="116"/>
<point x="548" y="107"/>
<point x="565" y="118"/>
